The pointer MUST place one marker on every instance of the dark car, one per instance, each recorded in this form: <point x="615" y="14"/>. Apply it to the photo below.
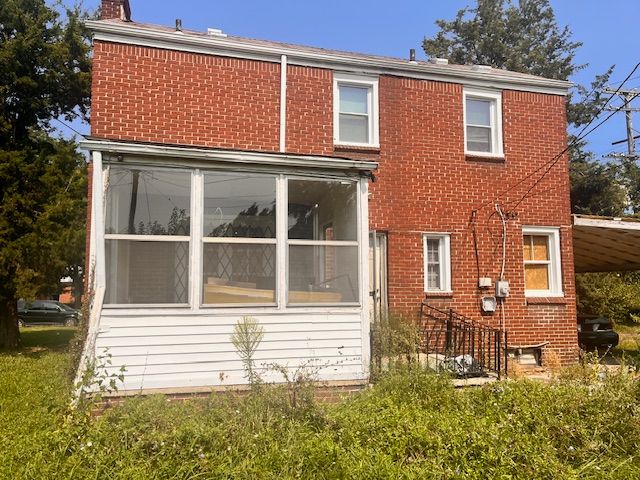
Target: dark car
<point x="596" y="332"/>
<point x="41" y="312"/>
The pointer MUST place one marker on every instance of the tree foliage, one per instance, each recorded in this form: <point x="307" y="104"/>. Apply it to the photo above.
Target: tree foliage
<point x="522" y="37"/>
<point x="44" y="74"/>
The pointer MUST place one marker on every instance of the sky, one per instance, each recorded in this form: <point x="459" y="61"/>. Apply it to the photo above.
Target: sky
<point x="608" y="31"/>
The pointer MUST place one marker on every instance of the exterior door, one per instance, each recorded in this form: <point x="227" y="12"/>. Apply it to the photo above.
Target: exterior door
<point x="377" y="274"/>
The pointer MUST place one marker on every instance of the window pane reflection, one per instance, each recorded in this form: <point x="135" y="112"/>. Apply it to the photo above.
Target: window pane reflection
<point x="239" y="205"/>
<point x="143" y="201"/>
<point x="322" y="210"/>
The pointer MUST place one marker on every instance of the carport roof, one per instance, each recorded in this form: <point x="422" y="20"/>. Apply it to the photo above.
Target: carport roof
<point x="606" y="244"/>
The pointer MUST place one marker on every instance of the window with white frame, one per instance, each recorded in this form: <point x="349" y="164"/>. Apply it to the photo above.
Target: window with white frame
<point x="483" y="122"/>
<point x="355" y="110"/>
<point x="322" y="241"/>
<point x="437" y="263"/>
<point x="541" y="251"/>
<point x="147" y="235"/>
<point x="239" y="239"/>
<point x="229" y="238"/>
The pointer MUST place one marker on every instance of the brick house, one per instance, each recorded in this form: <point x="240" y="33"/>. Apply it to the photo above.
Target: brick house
<point x="236" y="179"/>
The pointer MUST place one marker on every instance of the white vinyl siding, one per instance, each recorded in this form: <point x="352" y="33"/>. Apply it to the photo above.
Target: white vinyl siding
<point x="482" y="122"/>
<point x="184" y="349"/>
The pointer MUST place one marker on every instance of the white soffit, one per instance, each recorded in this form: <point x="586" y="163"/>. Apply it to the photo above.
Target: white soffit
<point x="606" y="244"/>
<point x="162" y="37"/>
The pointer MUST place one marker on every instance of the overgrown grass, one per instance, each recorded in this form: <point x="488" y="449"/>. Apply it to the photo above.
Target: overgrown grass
<point x="629" y="346"/>
<point x="411" y="425"/>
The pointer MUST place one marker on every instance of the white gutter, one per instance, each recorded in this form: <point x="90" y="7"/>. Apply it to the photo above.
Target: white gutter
<point x="225" y="156"/>
<point x="132" y="34"/>
<point x="283" y="103"/>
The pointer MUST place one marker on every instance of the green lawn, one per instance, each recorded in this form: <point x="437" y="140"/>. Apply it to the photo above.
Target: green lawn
<point x="411" y="425"/>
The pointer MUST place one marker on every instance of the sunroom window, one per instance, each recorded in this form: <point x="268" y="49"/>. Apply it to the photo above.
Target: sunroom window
<point x="239" y="239"/>
<point x="322" y="242"/>
<point x="147" y="233"/>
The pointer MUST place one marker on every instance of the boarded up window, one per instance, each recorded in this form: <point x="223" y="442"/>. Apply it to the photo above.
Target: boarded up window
<point x="537" y="262"/>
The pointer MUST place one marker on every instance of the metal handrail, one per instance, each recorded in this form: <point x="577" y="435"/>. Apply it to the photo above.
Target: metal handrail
<point x="460" y="344"/>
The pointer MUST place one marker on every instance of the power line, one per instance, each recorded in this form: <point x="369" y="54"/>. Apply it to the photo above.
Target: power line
<point x="577" y="138"/>
<point x="560" y="155"/>
<point x="69" y="127"/>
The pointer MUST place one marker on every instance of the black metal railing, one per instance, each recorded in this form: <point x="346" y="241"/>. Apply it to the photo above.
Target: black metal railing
<point x="461" y="345"/>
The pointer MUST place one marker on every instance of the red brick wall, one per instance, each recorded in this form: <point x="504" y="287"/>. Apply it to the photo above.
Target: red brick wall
<point x="155" y="95"/>
<point x="425" y="181"/>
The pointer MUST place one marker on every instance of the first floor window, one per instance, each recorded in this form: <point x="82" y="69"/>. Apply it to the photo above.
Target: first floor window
<point x="437" y="263"/>
<point x="239" y="238"/>
<point x="147" y="235"/>
<point x="322" y="224"/>
<point x="234" y="238"/>
<point x="541" y="251"/>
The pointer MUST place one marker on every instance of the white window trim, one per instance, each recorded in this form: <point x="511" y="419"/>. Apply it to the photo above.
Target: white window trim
<point x="497" y="150"/>
<point x="555" y="262"/>
<point x="374" y="122"/>
<point x="444" y="249"/>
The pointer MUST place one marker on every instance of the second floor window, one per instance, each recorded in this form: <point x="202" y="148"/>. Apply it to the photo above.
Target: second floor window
<point x="483" y="123"/>
<point x="355" y="110"/>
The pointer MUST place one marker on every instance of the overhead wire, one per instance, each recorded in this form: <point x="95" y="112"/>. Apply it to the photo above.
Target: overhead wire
<point x="549" y="164"/>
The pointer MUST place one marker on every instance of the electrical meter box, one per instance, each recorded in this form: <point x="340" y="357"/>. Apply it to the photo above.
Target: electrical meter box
<point x="502" y="289"/>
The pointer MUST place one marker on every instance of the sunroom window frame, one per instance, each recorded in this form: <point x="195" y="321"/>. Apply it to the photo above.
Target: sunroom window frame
<point x="358" y="81"/>
<point x="197" y="240"/>
<point x="239" y="241"/>
<point x="153" y="238"/>
<point x="495" y="116"/>
<point x="555" y="261"/>
<point x="338" y="243"/>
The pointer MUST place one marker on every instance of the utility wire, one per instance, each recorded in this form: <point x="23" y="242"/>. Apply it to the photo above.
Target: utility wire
<point x="580" y="136"/>
<point x="68" y="126"/>
<point x="559" y="156"/>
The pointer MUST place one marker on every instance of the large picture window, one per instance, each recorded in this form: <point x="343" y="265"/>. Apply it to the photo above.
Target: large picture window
<point x="147" y="233"/>
<point x="322" y="224"/>
<point x="206" y="238"/>
<point x="239" y="236"/>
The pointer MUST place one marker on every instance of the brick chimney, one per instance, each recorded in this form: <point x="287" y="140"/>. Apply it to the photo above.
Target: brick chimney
<point x="115" y="9"/>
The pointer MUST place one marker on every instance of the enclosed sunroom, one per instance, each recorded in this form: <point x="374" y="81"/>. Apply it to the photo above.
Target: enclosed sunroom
<point x="187" y="241"/>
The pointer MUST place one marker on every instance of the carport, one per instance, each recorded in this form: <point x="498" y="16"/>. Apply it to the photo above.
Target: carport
<point x="606" y="244"/>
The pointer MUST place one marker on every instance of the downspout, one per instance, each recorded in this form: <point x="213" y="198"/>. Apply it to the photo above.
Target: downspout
<point x="283" y="102"/>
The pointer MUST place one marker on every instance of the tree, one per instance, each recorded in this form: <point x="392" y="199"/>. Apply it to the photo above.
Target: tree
<point x="44" y="74"/>
<point x="525" y="37"/>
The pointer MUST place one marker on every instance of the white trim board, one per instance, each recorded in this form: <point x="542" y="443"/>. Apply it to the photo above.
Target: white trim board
<point x="229" y="157"/>
<point x="159" y="37"/>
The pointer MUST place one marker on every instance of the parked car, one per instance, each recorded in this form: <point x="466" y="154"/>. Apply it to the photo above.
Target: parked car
<point x="595" y="332"/>
<point x="42" y="312"/>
